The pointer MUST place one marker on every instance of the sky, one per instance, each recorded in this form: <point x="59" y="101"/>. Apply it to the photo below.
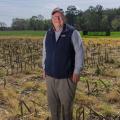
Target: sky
<point x="10" y="9"/>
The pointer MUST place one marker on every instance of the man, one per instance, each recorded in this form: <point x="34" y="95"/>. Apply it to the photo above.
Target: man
<point x="62" y="63"/>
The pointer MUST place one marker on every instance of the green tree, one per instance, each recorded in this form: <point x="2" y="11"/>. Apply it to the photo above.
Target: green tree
<point x="116" y="24"/>
<point x="93" y="18"/>
<point x="71" y="14"/>
<point x="3" y="26"/>
<point x="19" y="24"/>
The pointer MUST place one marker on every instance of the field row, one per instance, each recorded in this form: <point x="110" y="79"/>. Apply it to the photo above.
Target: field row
<point x="29" y="33"/>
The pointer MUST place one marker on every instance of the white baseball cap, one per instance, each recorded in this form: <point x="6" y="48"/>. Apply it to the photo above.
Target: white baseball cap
<point x="57" y="10"/>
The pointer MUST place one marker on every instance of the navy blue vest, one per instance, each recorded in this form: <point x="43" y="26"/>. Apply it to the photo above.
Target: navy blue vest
<point x="60" y="54"/>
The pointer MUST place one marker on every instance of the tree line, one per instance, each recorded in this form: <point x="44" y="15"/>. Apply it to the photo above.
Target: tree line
<point x="95" y="18"/>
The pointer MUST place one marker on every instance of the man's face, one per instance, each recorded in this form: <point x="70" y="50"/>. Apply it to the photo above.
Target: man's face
<point x="57" y="19"/>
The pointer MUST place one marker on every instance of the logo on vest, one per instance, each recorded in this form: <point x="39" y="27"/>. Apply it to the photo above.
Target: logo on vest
<point x="63" y="35"/>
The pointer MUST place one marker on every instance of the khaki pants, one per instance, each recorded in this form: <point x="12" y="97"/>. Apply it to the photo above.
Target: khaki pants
<point x="60" y="95"/>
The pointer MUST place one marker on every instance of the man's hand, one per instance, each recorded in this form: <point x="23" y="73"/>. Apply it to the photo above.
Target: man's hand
<point x="44" y="75"/>
<point x="75" y="77"/>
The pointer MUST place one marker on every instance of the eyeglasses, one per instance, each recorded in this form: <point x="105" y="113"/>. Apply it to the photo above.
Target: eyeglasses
<point x="57" y="17"/>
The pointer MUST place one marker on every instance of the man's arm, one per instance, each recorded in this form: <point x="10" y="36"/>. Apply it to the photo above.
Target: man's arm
<point x="43" y="57"/>
<point x="79" y="52"/>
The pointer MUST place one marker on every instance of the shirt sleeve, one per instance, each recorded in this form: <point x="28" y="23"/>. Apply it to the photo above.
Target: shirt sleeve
<point x="43" y="53"/>
<point x="79" y="51"/>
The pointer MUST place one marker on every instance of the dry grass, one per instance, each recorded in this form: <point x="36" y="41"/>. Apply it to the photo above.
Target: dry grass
<point x="24" y="86"/>
<point x="113" y="97"/>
